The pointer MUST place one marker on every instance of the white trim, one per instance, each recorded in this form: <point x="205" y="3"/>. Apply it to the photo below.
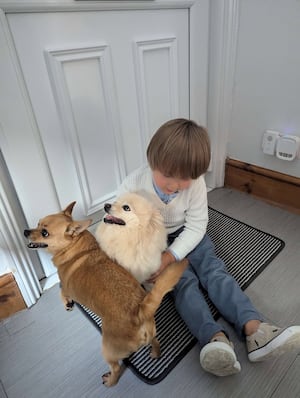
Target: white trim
<point x="140" y="48"/>
<point x="224" y="22"/>
<point x="17" y="254"/>
<point x="55" y="59"/>
<point x="70" y="5"/>
<point x="199" y="45"/>
<point x="50" y="281"/>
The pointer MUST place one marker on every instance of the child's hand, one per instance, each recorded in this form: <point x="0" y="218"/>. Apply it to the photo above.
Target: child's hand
<point x="166" y="259"/>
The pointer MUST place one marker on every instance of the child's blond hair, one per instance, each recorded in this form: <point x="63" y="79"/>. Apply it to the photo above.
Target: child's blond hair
<point x="180" y="148"/>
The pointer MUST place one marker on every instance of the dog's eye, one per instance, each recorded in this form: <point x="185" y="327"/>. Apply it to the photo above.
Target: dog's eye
<point x="126" y="208"/>
<point x="45" y="233"/>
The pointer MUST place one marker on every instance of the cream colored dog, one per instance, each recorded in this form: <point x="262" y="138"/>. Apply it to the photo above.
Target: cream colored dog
<point x="133" y="234"/>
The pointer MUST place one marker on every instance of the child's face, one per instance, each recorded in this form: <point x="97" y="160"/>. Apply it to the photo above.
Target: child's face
<point x="168" y="184"/>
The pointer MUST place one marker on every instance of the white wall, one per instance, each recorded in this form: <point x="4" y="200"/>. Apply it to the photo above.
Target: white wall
<point x="267" y="80"/>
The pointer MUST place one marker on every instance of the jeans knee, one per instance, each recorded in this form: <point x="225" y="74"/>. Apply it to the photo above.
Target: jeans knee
<point x="185" y="287"/>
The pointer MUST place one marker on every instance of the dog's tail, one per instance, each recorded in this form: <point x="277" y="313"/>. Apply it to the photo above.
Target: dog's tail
<point x="164" y="284"/>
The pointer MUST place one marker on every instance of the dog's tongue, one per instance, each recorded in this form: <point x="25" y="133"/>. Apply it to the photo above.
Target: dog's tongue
<point x="109" y="219"/>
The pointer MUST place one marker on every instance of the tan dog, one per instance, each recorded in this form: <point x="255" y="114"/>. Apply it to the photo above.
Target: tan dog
<point x="133" y="234"/>
<point x="89" y="277"/>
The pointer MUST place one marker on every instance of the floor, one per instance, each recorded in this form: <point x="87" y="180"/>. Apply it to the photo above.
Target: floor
<point x="46" y="352"/>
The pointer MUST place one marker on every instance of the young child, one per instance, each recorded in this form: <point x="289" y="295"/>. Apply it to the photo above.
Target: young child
<point x="178" y="156"/>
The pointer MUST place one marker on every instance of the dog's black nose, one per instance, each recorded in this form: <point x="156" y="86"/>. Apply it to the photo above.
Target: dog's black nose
<point x="107" y="207"/>
<point x="26" y="232"/>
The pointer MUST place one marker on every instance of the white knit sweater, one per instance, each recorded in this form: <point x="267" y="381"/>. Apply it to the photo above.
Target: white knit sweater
<point x="188" y="208"/>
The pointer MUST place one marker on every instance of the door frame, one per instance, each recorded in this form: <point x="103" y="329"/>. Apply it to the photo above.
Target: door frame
<point x="15" y="252"/>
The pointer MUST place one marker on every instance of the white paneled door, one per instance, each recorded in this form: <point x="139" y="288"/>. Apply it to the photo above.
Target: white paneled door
<point x="96" y="83"/>
<point x="100" y="83"/>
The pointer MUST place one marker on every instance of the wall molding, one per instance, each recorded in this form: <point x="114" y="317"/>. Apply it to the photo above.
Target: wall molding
<point x="154" y="46"/>
<point x="224" y="29"/>
<point x="69" y="5"/>
<point x="16" y="252"/>
<point x="55" y="60"/>
<point x="276" y="188"/>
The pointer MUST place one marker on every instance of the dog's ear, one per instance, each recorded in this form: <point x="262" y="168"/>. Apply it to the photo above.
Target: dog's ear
<point x="76" y="227"/>
<point x="68" y="210"/>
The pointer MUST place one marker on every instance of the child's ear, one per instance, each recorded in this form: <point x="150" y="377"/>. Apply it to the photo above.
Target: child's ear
<point x="77" y="227"/>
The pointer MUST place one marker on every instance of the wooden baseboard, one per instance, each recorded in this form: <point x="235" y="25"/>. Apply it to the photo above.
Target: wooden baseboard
<point x="276" y="188"/>
<point x="11" y="300"/>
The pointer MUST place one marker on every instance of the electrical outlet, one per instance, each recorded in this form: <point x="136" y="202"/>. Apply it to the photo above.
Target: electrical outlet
<point x="287" y="147"/>
<point x="270" y="138"/>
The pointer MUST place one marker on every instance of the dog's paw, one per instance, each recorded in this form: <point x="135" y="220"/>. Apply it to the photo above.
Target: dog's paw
<point x="107" y="379"/>
<point x="154" y="354"/>
<point x="69" y="306"/>
<point x="155" y="349"/>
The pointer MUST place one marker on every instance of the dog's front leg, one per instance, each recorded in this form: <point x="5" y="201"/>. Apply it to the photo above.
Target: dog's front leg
<point x="68" y="302"/>
<point x="111" y="378"/>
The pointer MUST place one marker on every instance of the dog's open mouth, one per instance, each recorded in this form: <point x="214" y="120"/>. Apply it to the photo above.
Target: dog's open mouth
<point x="109" y="219"/>
<point x="32" y="245"/>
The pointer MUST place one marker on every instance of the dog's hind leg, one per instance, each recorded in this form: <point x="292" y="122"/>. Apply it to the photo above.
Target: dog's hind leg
<point x="111" y="378"/>
<point x="155" y="348"/>
<point x="68" y="302"/>
<point x="113" y="357"/>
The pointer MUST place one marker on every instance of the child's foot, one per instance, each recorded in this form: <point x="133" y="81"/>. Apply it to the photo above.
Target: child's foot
<point x="270" y="340"/>
<point x="218" y="357"/>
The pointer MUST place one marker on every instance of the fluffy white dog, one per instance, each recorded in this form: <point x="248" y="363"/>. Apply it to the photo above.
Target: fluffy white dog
<point x="133" y="234"/>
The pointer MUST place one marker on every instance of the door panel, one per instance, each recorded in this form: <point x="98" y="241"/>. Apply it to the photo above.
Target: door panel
<point x="100" y="84"/>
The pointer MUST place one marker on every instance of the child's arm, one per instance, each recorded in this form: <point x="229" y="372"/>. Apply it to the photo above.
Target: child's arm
<point x="166" y="259"/>
<point x="195" y="223"/>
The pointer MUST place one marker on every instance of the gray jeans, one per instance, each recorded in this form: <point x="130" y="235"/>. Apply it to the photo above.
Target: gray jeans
<point x="207" y="271"/>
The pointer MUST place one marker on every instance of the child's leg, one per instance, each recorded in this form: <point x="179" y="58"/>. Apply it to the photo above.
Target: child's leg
<point x="222" y="288"/>
<point x="216" y="357"/>
<point x="193" y="308"/>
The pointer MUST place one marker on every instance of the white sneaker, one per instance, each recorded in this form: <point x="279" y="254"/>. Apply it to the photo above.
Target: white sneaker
<point x="218" y="357"/>
<point x="270" y="341"/>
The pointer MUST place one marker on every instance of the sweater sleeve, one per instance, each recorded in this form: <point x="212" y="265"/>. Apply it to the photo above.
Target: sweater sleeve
<point x="196" y="219"/>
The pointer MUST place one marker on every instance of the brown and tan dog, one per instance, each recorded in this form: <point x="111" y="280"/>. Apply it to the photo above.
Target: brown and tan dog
<point x="89" y="277"/>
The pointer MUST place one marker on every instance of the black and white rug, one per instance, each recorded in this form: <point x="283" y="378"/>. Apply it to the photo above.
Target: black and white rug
<point x="246" y="252"/>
